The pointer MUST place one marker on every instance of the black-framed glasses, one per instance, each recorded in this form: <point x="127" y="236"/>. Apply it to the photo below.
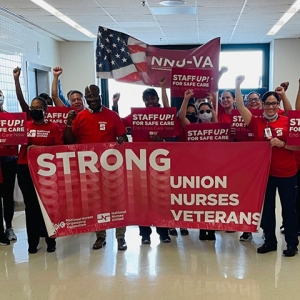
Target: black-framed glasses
<point x="273" y="104"/>
<point x="208" y="111"/>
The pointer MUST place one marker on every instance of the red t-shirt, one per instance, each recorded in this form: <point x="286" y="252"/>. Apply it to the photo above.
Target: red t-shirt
<point x="47" y="134"/>
<point x="102" y="127"/>
<point x="283" y="163"/>
<point x="223" y="117"/>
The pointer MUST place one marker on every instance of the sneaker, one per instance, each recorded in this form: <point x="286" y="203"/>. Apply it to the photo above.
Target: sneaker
<point x="146" y="240"/>
<point x="10" y="234"/>
<point x="290" y="251"/>
<point x="32" y="250"/>
<point x="173" y="232"/>
<point x="121" y="244"/>
<point x="184" y="231"/>
<point x="246" y="236"/>
<point x="265" y="249"/>
<point x="4" y="241"/>
<point x="165" y="239"/>
<point x="100" y="242"/>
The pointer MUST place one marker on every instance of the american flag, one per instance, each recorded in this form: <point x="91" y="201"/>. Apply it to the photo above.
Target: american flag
<point x="120" y="56"/>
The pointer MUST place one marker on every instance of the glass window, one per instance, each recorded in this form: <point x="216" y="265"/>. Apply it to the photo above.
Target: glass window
<point x="248" y="63"/>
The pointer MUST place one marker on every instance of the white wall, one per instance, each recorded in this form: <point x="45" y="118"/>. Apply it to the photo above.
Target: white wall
<point x="79" y="65"/>
<point x="18" y="44"/>
<point x="285" y="65"/>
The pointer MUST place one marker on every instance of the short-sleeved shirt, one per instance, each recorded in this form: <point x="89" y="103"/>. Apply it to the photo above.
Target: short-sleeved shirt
<point x="101" y="127"/>
<point x="283" y="163"/>
<point x="224" y="117"/>
<point x="46" y="134"/>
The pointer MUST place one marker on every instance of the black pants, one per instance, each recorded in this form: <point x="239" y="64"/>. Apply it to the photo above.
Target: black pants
<point x="35" y="225"/>
<point x="9" y="171"/>
<point x="146" y="231"/>
<point x="287" y="189"/>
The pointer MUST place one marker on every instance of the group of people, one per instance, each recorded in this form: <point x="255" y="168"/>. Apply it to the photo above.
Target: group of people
<point x="83" y="127"/>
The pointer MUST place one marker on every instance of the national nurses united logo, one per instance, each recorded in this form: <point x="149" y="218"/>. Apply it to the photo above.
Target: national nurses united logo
<point x="103" y="218"/>
<point x="102" y="125"/>
<point x="31" y="133"/>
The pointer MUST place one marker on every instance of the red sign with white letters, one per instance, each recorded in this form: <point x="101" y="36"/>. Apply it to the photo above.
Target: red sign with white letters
<point x="195" y="79"/>
<point x="13" y="129"/>
<point x="207" y="132"/>
<point x="89" y="187"/>
<point x="154" y="121"/>
<point x="58" y="115"/>
<point x="293" y="137"/>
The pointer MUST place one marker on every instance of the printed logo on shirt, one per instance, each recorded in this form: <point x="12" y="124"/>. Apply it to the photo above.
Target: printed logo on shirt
<point x="103" y="218"/>
<point x="102" y="125"/>
<point x="38" y="133"/>
<point x="279" y="131"/>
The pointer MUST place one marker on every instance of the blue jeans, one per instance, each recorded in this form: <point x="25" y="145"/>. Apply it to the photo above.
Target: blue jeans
<point x="287" y="189"/>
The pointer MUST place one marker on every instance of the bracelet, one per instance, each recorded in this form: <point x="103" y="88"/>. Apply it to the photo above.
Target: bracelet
<point x="69" y="125"/>
<point x="284" y="144"/>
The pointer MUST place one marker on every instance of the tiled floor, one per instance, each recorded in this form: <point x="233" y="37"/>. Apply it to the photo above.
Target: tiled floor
<point x="184" y="269"/>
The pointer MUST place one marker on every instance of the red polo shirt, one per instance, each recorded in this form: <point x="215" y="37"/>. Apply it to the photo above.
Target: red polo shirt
<point x="47" y="134"/>
<point x="283" y="163"/>
<point x="102" y="127"/>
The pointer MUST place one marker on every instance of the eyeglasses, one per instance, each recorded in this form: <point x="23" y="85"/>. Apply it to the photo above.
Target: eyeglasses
<point x="273" y="104"/>
<point x="253" y="99"/>
<point x="36" y="107"/>
<point x="208" y="111"/>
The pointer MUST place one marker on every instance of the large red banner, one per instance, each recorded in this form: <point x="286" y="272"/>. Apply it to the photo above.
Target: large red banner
<point x="127" y="59"/>
<point x="154" y="121"/>
<point x="13" y="129"/>
<point x="98" y="186"/>
<point x="293" y="137"/>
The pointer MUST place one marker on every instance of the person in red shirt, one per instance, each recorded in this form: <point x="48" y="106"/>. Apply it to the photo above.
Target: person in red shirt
<point x="40" y="133"/>
<point x="273" y="128"/>
<point x="97" y="124"/>
<point x="151" y="99"/>
<point x="8" y="171"/>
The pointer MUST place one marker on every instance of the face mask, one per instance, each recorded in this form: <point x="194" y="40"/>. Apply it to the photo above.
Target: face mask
<point x="205" y="117"/>
<point x="270" y="117"/>
<point x="192" y="118"/>
<point x="36" y="115"/>
<point x="1" y="100"/>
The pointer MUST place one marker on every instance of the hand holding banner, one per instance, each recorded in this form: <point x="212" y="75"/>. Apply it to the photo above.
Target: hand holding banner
<point x="58" y="115"/>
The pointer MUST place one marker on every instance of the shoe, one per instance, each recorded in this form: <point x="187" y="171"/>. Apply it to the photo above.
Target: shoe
<point x="228" y="231"/>
<point x="146" y="240"/>
<point x="184" y="231"/>
<point x="265" y="249"/>
<point x="202" y="235"/>
<point x="246" y="236"/>
<point x="10" y="234"/>
<point x="51" y="245"/>
<point x="290" y="251"/>
<point x="121" y="244"/>
<point x="211" y="236"/>
<point x="100" y="242"/>
<point x="32" y="250"/>
<point x="165" y="239"/>
<point x="173" y="232"/>
<point x="4" y="241"/>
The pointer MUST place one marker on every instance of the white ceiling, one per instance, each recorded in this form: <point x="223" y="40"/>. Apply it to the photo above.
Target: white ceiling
<point x="196" y="22"/>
